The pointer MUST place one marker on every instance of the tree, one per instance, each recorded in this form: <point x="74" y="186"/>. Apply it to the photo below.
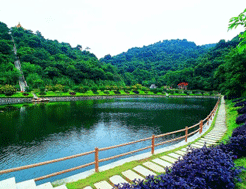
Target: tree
<point x="234" y="23"/>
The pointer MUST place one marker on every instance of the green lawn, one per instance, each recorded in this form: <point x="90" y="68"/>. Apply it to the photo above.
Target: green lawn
<point x="16" y="95"/>
<point x="231" y="115"/>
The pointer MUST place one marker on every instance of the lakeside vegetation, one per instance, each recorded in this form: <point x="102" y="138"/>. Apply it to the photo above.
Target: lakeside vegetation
<point x="46" y="63"/>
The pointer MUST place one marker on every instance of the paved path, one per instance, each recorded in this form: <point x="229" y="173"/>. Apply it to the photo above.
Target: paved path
<point x="156" y="166"/>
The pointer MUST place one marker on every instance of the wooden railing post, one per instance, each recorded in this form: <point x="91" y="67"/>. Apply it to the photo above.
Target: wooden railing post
<point x="96" y="160"/>
<point x="186" y="134"/>
<point x="201" y="125"/>
<point x="153" y="144"/>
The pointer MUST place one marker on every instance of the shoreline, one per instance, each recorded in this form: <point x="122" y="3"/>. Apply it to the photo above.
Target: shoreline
<point x="6" y="101"/>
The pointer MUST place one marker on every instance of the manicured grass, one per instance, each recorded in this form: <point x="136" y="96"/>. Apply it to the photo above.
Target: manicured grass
<point x="231" y="115"/>
<point x="16" y="95"/>
<point x="241" y="162"/>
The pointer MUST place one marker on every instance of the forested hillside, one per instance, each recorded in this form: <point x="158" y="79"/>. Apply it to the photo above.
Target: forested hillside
<point x="148" y="64"/>
<point x="201" y="75"/>
<point x="48" y="62"/>
<point x="8" y="73"/>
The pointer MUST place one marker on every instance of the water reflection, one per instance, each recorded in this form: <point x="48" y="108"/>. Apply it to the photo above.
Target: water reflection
<point x="43" y="132"/>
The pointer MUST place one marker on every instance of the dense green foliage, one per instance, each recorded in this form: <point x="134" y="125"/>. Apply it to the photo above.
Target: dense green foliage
<point x="149" y="64"/>
<point x="47" y="62"/>
<point x="8" y="73"/>
<point x="234" y="23"/>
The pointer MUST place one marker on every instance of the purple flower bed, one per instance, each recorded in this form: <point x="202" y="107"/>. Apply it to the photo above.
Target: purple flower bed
<point x="236" y="145"/>
<point x="202" y="168"/>
<point x="241" y="119"/>
<point x="240" y="104"/>
<point x="242" y="110"/>
<point x="239" y="131"/>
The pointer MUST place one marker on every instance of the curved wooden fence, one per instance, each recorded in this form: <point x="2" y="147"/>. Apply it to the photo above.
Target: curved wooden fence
<point x="97" y="150"/>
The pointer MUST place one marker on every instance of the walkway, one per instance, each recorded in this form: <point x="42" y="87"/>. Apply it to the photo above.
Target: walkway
<point x="156" y="166"/>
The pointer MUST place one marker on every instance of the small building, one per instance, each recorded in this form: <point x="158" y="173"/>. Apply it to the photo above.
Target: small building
<point x="152" y="86"/>
<point x="183" y="85"/>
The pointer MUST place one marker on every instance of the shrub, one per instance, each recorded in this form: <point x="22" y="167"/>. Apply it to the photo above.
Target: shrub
<point x="241" y="110"/>
<point x="241" y="119"/>
<point x="66" y="89"/>
<point x="94" y="89"/>
<point x="236" y="145"/>
<point x="72" y="93"/>
<point x="106" y="92"/>
<point x="136" y="92"/>
<point x="58" y="87"/>
<point x="9" y="90"/>
<point x="1" y="90"/>
<point x="201" y="168"/>
<point x="240" y="104"/>
<point x="76" y="88"/>
<point x="239" y="131"/>
<point x="49" y="87"/>
<point x="117" y="92"/>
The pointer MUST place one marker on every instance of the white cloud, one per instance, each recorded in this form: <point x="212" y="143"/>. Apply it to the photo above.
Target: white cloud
<point x="113" y="26"/>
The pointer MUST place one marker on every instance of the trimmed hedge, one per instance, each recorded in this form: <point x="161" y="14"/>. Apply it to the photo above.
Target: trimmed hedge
<point x="240" y="104"/>
<point x="242" y="110"/>
<point x="241" y="119"/>
<point x="239" y="131"/>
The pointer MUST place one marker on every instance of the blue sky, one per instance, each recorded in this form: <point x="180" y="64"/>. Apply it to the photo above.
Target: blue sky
<point x="113" y="26"/>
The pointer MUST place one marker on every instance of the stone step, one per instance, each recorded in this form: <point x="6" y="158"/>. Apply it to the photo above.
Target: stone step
<point x="208" y="140"/>
<point x="8" y="183"/>
<point x="196" y="146"/>
<point x="61" y="187"/>
<point x="29" y="184"/>
<point x="215" y="135"/>
<point x="169" y="159"/>
<point x="162" y="162"/>
<point x="154" y="167"/>
<point x="132" y="175"/>
<point x="180" y="152"/>
<point x="203" y="143"/>
<point x="176" y="156"/>
<point x="143" y="171"/>
<point x="117" y="179"/>
<point x="45" y="186"/>
<point x="88" y="187"/>
<point x="103" y="185"/>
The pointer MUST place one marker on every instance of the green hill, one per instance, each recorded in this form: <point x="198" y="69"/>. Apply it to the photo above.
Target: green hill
<point x="48" y="62"/>
<point x="8" y="73"/>
<point x="148" y="64"/>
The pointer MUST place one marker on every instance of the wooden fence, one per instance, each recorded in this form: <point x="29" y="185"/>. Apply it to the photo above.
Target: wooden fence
<point x="97" y="150"/>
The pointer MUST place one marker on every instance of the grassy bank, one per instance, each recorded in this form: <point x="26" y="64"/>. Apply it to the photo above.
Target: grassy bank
<point x="231" y="115"/>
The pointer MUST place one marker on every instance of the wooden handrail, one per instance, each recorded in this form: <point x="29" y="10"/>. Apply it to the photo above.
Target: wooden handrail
<point x="97" y="150"/>
<point x="125" y="144"/>
<point x="45" y="163"/>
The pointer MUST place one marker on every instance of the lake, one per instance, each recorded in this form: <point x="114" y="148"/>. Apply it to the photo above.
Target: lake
<point x="35" y="133"/>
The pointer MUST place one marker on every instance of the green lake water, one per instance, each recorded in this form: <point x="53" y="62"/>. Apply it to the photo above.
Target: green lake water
<point x="35" y="133"/>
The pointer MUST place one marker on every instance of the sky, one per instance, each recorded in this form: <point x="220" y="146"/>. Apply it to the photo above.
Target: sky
<point x="114" y="26"/>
